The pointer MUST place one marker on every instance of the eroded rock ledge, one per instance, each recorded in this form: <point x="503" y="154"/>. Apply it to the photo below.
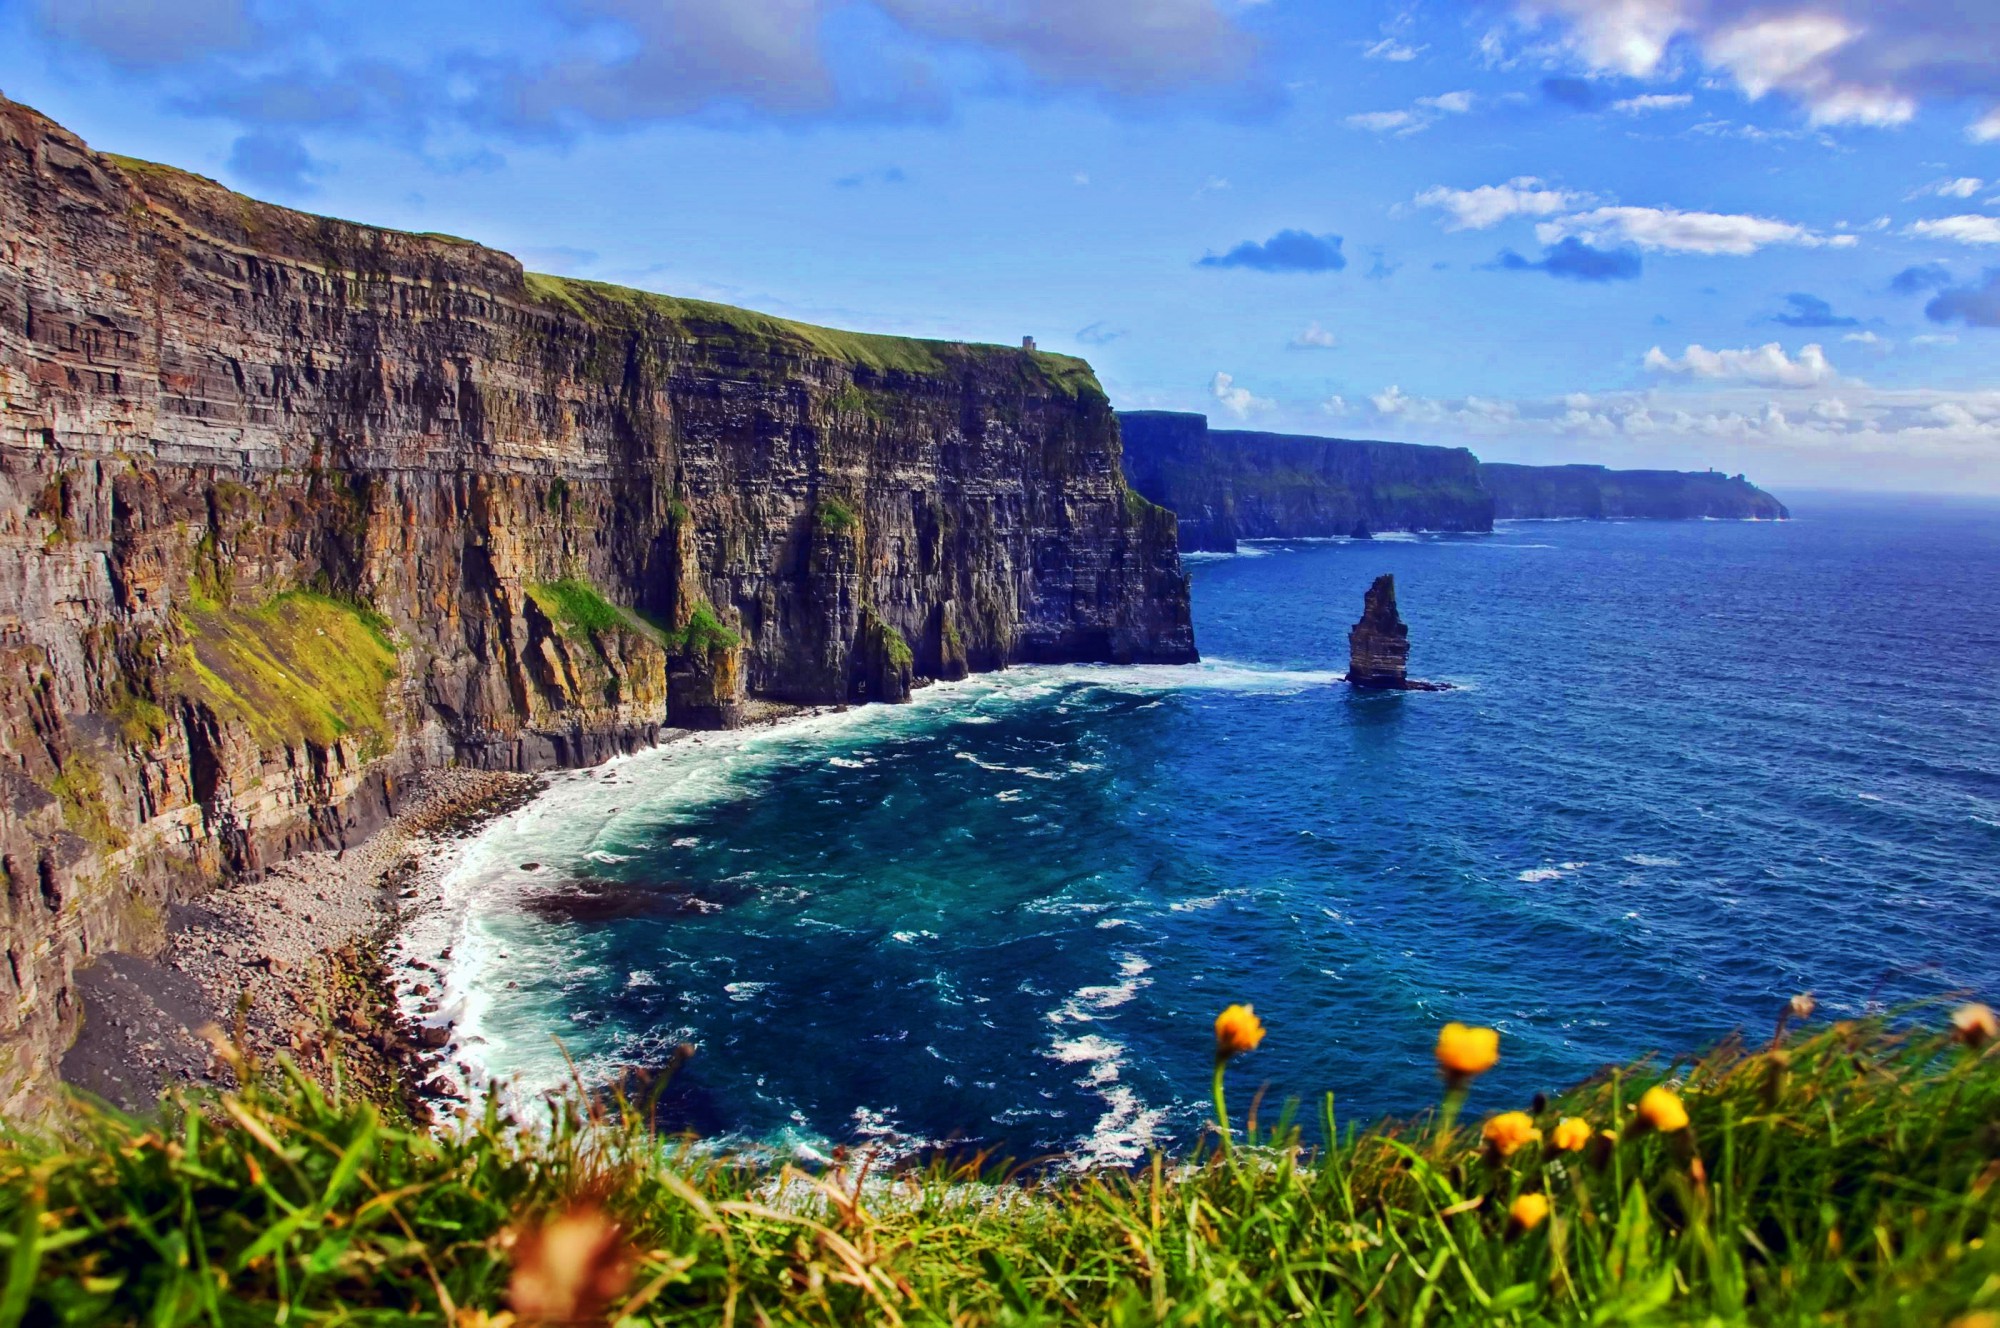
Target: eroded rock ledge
<point x="291" y="508"/>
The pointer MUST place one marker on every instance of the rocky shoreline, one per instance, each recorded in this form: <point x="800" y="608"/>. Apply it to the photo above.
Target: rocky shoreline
<point x="286" y="964"/>
<point x="296" y="963"/>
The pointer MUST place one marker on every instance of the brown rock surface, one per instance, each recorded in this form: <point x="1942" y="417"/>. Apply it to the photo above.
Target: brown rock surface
<point x="1378" y="646"/>
<point x="291" y="508"/>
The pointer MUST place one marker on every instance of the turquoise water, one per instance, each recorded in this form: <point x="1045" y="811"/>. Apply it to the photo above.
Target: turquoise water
<point x="1690" y="770"/>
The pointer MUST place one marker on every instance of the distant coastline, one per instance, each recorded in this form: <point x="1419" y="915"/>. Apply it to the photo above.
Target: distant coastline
<point x="1230" y="485"/>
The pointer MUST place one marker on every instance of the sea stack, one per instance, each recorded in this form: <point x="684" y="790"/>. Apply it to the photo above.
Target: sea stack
<point x="1378" y="647"/>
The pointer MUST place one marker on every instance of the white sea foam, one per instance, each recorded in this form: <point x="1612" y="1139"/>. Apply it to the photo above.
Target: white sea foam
<point x="1537" y="875"/>
<point x="469" y="910"/>
<point x="1651" y="860"/>
<point x="742" y="992"/>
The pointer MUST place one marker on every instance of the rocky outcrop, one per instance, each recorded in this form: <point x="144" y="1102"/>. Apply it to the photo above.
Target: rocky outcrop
<point x="290" y="508"/>
<point x="1596" y="493"/>
<point x="1378" y="646"/>
<point x="1228" y="485"/>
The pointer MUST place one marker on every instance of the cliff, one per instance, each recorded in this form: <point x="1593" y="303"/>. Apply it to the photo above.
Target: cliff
<point x="1531" y="492"/>
<point x="291" y="507"/>
<point x="1228" y="485"/>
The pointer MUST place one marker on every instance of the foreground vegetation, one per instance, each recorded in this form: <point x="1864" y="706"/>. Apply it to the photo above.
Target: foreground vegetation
<point x="1844" y="1174"/>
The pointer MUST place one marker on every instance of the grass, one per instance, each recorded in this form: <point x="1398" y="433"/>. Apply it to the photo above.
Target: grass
<point x="577" y="609"/>
<point x="703" y="634"/>
<point x="301" y="666"/>
<point x="1849" y="1178"/>
<point x="621" y="306"/>
<point x="835" y="517"/>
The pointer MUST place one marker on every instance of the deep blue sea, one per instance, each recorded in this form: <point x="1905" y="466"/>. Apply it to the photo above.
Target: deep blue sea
<point x="1689" y="770"/>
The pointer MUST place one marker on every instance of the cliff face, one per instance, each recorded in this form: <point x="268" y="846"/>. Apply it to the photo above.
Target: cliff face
<point x="1530" y="492"/>
<point x="290" y="507"/>
<point x="1227" y="485"/>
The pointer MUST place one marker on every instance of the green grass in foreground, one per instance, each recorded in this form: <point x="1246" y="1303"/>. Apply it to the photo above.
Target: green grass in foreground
<point x="1848" y="1179"/>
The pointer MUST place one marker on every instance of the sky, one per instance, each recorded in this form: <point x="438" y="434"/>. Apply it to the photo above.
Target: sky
<point x="1757" y="235"/>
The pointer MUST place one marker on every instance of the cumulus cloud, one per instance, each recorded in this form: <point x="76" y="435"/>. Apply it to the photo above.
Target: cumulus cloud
<point x="1964" y="186"/>
<point x="1766" y="365"/>
<point x="1574" y="260"/>
<point x="1803" y="310"/>
<point x="1970" y="228"/>
<point x="1315" y="337"/>
<point x="1975" y="305"/>
<point x="1287" y="251"/>
<point x="1846" y="61"/>
<point x="1238" y="401"/>
<point x="1490" y="204"/>
<point x="1668" y="230"/>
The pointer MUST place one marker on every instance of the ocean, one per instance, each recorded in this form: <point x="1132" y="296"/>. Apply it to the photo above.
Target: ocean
<point x="1687" y="770"/>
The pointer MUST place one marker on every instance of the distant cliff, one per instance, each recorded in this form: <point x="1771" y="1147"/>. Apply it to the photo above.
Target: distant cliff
<point x="290" y="507"/>
<point x="1228" y="485"/>
<point x="1526" y="492"/>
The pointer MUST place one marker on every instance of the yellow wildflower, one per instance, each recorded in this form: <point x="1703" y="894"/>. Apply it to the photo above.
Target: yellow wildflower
<point x="1237" y="1030"/>
<point x="1463" y="1052"/>
<point x="1528" y="1212"/>
<point x="1506" y="1133"/>
<point x="1661" y="1109"/>
<point x="1974" y="1025"/>
<point x="1570" y="1135"/>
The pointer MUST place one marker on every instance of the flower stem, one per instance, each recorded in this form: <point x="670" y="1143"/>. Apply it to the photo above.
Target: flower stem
<point x="1221" y="1111"/>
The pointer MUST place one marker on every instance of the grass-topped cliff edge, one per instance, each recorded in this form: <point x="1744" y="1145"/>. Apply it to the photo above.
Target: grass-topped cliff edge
<point x="1841" y="1174"/>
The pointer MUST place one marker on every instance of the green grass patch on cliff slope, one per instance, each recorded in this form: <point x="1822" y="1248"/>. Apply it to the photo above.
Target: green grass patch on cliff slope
<point x="1847" y="1177"/>
<point x="299" y="666"/>
<point x="623" y="306"/>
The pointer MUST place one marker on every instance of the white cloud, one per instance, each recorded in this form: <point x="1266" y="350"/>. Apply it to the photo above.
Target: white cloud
<point x="1935" y="339"/>
<point x="1451" y="103"/>
<point x="1490" y="204"/>
<point x="1668" y="230"/>
<point x="1238" y="401"/>
<point x="1393" y="51"/>
<point x="1390" y="401"/>
<point x="1967" y="229"/>
<point x="1383" y="122"/>
<point x="1868" y="339"/>
<point x="1334" y="405"/>
<point x="1766" y="365"/>
<point x="1985" y="129"/>
<point x="1963" y="187"/>
<point x="1315" y="337"/>
<point x="1428" y="111"/>
<point x="1867" y="62"/>
<point x="1653" y="101"/>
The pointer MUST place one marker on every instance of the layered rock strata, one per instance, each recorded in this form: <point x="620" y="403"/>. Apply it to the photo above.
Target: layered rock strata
<point x="1229" y="485"/>
<point x="1378" y="646"/>
<point x="291" y="508"/>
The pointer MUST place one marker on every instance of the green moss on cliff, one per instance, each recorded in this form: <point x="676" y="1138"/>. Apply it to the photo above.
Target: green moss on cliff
<point x="704" y="634"/>
<point x="79" y="790"/>
<point x="300" y="666"/>
<point x="577" y="609"/>
<point x="835" y="517"/>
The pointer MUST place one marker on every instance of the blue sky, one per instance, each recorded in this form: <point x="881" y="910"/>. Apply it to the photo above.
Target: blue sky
<point x="1753" y="234"/>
